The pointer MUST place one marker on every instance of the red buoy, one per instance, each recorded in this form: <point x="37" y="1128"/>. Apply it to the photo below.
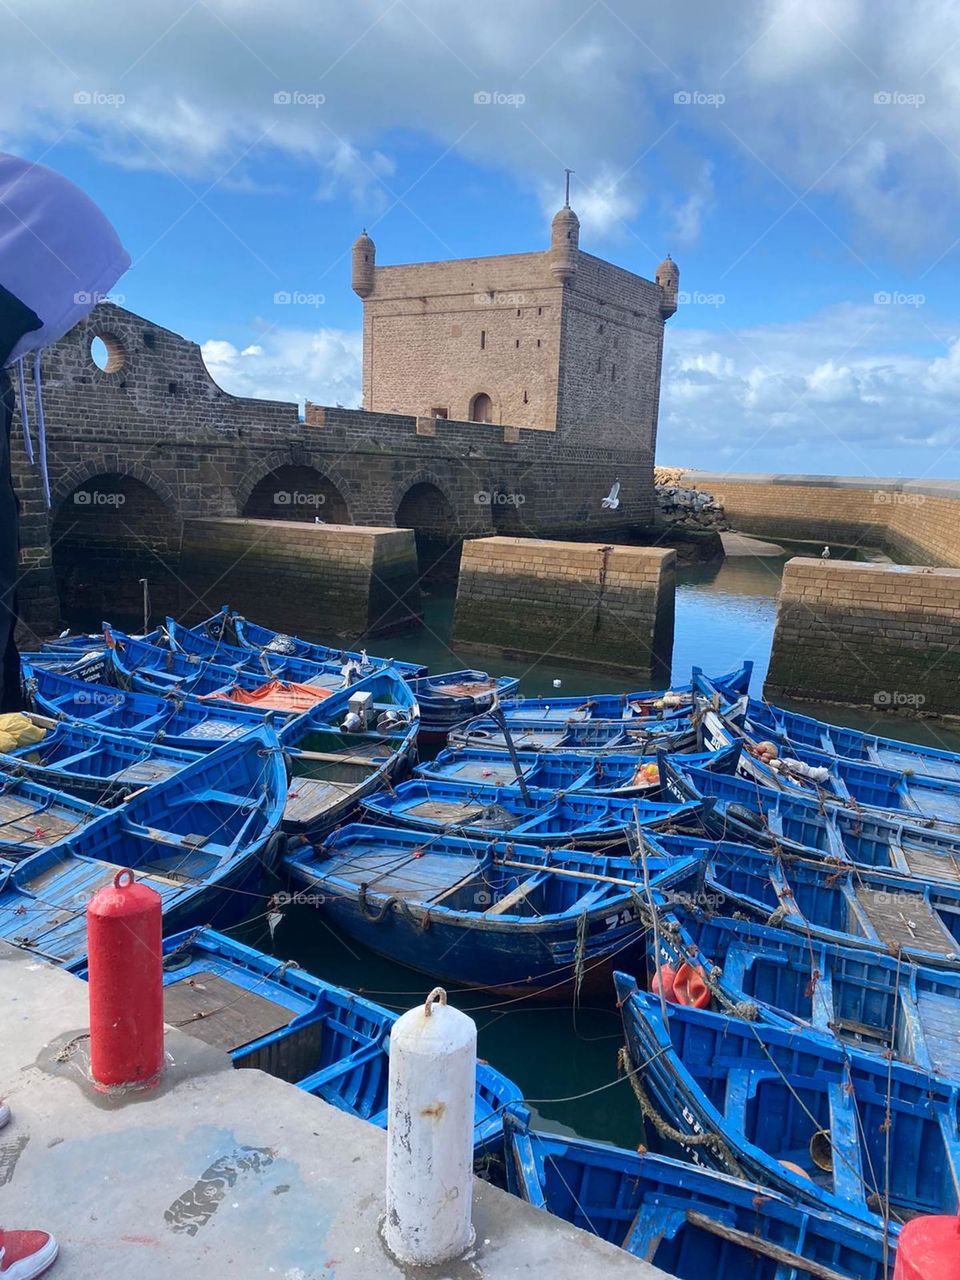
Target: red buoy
<point x="125" y="958"/>
<point x="929" y="1249"/>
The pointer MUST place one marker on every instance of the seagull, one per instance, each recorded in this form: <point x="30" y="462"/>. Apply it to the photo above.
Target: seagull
<point x="612" y="500"/>
<point x="825" y="553"/>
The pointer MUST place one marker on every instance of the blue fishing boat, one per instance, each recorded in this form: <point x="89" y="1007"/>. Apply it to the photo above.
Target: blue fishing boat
<point x="91" y="763"/>
<point x="598" y="737"/>
<point x="890" y="753"/>
<point x="916" y="798"/>
<point x="34" y="817"/>
<point x="451" y="699"/>
<point x="871" y="1001"/>
<point x="184" y="723"/>
<point x="152" y="669"/>
<point x="352" y="744"/>
<point x="539" y="817"/>
<point x="583" y="772"/>
<point x="646" y="704"/>
<point x="202" y="839"/>
<point x="844" y="904"/>
<point x="245" y="634"/>
<point x="816" y="1120"/>
<point x="693" y="1223"/>
<point x="744" y="810"/>
<point x="503" y="915"/>
<point x="276" y="1017"/>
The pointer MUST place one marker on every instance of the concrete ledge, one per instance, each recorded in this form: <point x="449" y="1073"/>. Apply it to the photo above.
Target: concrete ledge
<point x="609" y="606"/>
<point x="912" y="520"/>
<point x="880" y="635"/>
<point x="324" y="580"/>
<point x="218" y="1172"/>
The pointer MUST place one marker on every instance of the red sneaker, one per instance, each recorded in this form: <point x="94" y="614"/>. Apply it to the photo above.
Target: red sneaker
<point x="4" y="1113"/>
<point x="25" y="1254"/>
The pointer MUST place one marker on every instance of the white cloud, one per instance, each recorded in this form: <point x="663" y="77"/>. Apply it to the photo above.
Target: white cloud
<point x="798" y="82"/>
<point x="322" y="366"/>
<point x="866" y="390"/>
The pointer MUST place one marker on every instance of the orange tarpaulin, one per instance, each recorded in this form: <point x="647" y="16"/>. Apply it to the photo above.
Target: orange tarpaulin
<point x="276" y="696"/>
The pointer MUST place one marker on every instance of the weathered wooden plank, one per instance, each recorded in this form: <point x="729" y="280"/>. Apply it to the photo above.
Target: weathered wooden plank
<point x="220" y="1013"/>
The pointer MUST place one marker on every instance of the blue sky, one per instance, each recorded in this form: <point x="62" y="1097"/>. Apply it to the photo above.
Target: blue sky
<point x="799" y="160"/>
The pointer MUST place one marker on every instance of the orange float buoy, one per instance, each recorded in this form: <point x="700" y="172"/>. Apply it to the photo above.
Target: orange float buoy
<point x="690" y="988"/>
<point x="666" y="976"/>
<point x="929" y="1249"/>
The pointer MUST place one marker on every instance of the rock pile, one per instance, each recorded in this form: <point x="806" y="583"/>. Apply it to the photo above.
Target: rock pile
<point x="685" y="508"/>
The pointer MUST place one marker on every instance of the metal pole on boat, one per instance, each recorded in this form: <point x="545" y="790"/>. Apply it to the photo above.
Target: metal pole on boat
<point x="430" y="1133"/>
<point x="496" y="714"/>
<point x="144" y="582"/>
<point x="642" y="844"/>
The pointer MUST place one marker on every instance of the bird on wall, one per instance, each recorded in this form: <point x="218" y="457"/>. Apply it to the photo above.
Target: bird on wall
<point x="825" y="553"/>
<point x="612" y="500"/>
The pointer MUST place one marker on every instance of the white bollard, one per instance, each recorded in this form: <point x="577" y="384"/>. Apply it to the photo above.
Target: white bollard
<point x="433" y="1072"/>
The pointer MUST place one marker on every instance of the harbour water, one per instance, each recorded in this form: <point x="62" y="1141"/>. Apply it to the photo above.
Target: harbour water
<point x="565" y="1059"/>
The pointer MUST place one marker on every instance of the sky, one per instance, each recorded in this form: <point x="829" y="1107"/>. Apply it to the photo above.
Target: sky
<point x="800" y="159"/>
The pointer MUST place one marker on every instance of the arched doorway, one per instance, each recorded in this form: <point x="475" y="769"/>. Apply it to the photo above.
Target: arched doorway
<point x="425" y="509"/>
<point x="481" y="408"/>
<point x="108" y="533"/>
<point x="296" y="493"/>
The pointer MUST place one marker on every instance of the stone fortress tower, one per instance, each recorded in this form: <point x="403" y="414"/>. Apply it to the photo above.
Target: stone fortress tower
<point x="558" y="341"/>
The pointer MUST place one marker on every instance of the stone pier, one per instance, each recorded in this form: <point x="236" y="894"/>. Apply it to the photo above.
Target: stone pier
<point x="882" y="635"/>
<point x="608" y="606"/>
<point x="218" y="1172"/>
<point x="349" y="580"/>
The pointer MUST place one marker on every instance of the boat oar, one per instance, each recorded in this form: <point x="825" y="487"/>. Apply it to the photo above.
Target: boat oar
<point x="566" y="872"/>
<point x="497" y="716"/>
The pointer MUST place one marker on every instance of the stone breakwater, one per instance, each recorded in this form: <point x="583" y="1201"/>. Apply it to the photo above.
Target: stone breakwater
<point x="681" y="507"/>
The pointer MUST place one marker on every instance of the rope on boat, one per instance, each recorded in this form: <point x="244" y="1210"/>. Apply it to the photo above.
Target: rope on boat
<point x="666" y="1130"/>
<point x="377" y="917"/>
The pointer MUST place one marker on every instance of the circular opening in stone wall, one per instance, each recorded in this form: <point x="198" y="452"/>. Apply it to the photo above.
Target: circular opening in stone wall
<point x="106" y="353"/>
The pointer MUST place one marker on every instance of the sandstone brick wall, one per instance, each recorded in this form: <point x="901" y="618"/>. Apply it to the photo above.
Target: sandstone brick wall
<point x="610" y="357"/>
<point x="437" y="333"/>
<point x="583" y="360"/>
<point x="609" y="606"/>
<point x="313" y="580"/>
<point x="160" y="419"/>
<point x="914" y="520"/>
<point x="885" y="636"/>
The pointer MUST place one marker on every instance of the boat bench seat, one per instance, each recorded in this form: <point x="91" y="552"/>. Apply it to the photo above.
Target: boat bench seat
<point x="848" y="1181"/>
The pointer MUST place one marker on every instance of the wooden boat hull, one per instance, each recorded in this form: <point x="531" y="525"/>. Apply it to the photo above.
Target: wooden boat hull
<point x="847" y="905"/>
<point x="333" y="767"/>
<point x="742" y="810"/>
<point x="506" y="917"/>
<point x="872" y="1001"/>
<point x="202" y="839"/>
<point x="770" y="1100"/>
<point x="692" y="1222"/>
<point x="94" y="765"/>
<point x="539" y="818"/>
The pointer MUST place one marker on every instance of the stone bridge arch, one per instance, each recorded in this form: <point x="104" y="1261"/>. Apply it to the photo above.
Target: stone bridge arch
<point x="284" y="488"/>
<point x="113" y="524"/>
<point x="422" y="502"/>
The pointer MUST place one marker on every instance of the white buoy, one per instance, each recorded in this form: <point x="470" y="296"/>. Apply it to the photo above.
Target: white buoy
<point x="557" y="684"/>
<point x="433" y="1072"/>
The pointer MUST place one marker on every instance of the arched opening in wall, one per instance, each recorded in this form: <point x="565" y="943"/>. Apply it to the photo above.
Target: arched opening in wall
<point x="481" y="408"/>
<point x="107" y="534"/>
<point x="106" y="352"/>
<point x="425" y="509"/>
<point x="296" y="493"/>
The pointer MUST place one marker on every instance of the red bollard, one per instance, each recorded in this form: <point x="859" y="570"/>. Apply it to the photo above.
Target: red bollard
<point x="125" y="959"/>
<point x="929" y="1249"/>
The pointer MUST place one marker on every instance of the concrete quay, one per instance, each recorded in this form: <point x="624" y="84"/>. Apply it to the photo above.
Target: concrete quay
<point x="217" y="1171"/>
